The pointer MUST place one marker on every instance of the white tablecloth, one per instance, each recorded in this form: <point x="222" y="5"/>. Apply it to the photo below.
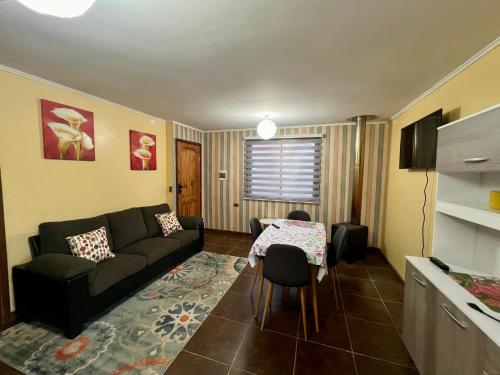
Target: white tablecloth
<point x="309" y="236"/>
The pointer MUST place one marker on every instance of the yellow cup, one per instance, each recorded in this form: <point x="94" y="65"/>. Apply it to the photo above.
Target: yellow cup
<point x="494" y="200"/>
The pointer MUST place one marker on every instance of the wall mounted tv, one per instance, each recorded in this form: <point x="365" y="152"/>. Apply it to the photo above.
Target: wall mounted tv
<point x="419" y="142"/>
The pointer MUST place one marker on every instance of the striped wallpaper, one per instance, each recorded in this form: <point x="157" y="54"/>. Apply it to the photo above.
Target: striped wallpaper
<point x="374" y="180"/>
<point x="224" y="150"/>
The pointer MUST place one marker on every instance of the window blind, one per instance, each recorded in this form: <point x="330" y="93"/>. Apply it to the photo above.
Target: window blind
<point x="285" y="169"/>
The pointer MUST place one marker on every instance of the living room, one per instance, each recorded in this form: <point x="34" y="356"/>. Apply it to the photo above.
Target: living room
<point x="183" y="192"/>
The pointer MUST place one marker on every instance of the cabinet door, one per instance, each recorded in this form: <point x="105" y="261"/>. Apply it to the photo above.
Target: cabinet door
<point x="459" y="344"/>
<point x="418" y="319"/>
<point x="470" y="146"/>
<point x="492" y="359"/>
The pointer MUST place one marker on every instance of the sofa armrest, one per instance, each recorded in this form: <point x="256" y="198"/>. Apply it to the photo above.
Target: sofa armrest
<point x="60" y="266"/>
<point x="190" y="222"/>
<point x="194" y="222"/>
<point x="63" y="303"/>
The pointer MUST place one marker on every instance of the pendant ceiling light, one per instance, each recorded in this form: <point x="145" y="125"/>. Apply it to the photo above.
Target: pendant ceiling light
<point x="266" y="129"/>
<point x="59" y="8"/>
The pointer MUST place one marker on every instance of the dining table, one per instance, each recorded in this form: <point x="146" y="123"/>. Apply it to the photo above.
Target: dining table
<point x="308" y="236"/>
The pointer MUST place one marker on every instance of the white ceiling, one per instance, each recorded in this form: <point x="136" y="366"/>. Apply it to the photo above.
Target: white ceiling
<point x="217" y="64"/>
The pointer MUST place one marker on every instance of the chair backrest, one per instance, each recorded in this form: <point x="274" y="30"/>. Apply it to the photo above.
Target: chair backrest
<point x="338" y="245"/>
<point x="299" y="215"/>
<point x="286" y="265"/>
<point x="255" y="228"/>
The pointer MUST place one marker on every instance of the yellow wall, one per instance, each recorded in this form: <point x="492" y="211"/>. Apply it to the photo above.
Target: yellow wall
<point x="475" y="88"/>
<point x="37" y="190"/>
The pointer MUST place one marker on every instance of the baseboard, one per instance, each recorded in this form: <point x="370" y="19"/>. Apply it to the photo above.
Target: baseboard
<point x="222" y="231"/>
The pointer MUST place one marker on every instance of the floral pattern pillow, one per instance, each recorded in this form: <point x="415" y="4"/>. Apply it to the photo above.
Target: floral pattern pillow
<point x="168" y="223"/>
<point x="92" y="245"/>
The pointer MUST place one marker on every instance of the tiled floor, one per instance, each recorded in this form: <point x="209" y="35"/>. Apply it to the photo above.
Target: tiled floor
<point x="362" y="338"/>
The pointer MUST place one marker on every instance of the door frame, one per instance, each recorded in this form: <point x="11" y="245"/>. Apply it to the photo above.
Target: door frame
<point x="177" y="141"/>
<point x="6" y="317"/>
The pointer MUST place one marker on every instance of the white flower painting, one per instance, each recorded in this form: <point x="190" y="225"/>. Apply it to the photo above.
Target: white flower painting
<point x="142" y="151"/>
<point x="68" y="132"/>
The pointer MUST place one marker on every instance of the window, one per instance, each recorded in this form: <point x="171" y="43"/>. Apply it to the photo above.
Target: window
<point x="285" y="169"/>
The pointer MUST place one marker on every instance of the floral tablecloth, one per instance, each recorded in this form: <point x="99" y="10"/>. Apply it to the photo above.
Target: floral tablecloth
<point x="310" y="237"/>
<point x="485" y="289"/>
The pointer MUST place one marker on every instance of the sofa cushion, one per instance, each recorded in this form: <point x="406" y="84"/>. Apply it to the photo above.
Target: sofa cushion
<point x="185" y="236"/>
<point x="169" y="223"/>
<point x="53" y="234"/>
<point x="152" y="248"/>
<point x="113" y="270"/>
<point x="126" y="227"/>
<point x="148" y="213"/>
<point x="92" y="245"/>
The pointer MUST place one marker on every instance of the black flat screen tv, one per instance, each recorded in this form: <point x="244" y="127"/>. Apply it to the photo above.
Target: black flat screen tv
<point x="419" y="142"/>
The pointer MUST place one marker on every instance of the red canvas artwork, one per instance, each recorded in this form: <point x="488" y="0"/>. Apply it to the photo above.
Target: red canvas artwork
<point x="142" y="151"/>
<point x="68" y="132"/>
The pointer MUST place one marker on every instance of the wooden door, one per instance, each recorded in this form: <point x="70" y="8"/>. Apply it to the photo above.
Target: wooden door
<point x="188" y="178"/>
<point x="418" y="319"/>
<point x="5" y="314"/>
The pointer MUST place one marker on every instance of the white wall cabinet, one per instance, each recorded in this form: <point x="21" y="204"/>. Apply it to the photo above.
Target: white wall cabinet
<point x="443" y="334"/>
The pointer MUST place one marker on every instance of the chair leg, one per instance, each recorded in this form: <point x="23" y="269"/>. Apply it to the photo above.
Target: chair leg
<point x="259" y="295"/>
<point x="268" y="301"/>
<point x="303" y="309"/>
<point x="315" y="297"/>
<point x="257" y="273"/>
<point x="333" y="284"/>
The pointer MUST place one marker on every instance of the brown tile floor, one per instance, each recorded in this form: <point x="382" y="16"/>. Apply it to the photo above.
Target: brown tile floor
<point x="362" y="338"/>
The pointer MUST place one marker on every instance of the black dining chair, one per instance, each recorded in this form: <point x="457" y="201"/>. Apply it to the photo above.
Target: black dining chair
<point x="335" y="250"/>
<point x="299" y="215"/>
<point x="256" y="230"/>
<point x="286" y="265"/>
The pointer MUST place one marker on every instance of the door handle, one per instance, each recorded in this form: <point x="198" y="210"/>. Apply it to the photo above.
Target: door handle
<point x="179" y="188"/>
<point x="421" y="282"/>
<point x="475" y="160"/>
<point x="452" y="317"/>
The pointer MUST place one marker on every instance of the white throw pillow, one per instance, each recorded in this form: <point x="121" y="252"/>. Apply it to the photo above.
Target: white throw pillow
<point x="168" y="223"/>
<point x="92" y="245"/>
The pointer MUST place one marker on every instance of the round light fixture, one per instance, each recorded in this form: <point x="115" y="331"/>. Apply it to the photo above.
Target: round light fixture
<point x="266" y="129"/>
<point x="59" y="8"/>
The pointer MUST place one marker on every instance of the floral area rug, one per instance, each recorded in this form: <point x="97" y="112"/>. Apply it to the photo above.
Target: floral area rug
<point x="142" y="335"/>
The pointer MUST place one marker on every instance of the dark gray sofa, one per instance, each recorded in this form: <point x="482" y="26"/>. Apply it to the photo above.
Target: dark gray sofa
<point x="65" y="291"/>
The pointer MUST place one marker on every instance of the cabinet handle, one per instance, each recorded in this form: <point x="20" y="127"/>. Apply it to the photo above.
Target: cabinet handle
<point x="475" y="160"/>
<point x="421" y="282"/>
<point x="452" y="317"/>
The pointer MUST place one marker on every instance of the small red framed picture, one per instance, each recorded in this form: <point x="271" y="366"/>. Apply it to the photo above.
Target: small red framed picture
<point x="68" y="132"/>
<point x="142" y="151"/>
